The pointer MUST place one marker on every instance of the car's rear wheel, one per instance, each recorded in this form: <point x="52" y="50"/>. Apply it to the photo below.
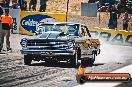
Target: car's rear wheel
<point x="89" y="61"/>
<point x="99" y="51"/>
<point x="27" y="59"/>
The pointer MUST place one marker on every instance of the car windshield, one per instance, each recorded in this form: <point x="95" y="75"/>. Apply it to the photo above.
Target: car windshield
<point x="70" y="29"/>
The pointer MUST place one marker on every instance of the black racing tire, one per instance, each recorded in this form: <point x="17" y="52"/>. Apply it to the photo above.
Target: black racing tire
<point x="89" y="61"/>
<point x="79" y="53"/>
<point x="81" y="79"/>
<point x="84" y="62"/>
<point x="27" y="59"/>
<point x="99" y="51"/>
<point x="74" y="59"/>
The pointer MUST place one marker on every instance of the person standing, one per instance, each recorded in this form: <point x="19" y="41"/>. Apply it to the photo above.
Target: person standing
<point x="32" y="5"/>
<point x="42" y="5"/>
<point x="124" y="3"/>
<point x="2" y="3"/>
<point x="6" y="27"/>
<point x="6" y="3"/>
<point x="113" y="17"/>
<point x="22" y="4"/>
<point x="1" y="13"/>
<point x="130" y="23"/>
<point x="125" y="21"/>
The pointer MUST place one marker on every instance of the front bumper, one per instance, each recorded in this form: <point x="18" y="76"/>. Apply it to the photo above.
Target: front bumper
<point x="48" y="52"/>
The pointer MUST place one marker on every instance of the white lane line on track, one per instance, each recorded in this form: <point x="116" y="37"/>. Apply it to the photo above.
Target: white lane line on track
<point x="126" y="69"/>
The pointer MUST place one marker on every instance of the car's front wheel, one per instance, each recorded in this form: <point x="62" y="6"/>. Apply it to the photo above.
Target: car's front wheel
<point x="27" y="59"/>
<point x="76" y="57"/>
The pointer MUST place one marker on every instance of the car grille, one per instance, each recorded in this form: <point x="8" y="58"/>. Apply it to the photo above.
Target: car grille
<point x="47" y="44"/>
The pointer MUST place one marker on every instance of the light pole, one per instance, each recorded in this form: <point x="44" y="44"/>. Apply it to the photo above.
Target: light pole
<point x="67" y="9"/>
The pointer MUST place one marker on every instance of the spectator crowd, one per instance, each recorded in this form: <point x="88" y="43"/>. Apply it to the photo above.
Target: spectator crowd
<point x="115" y="9"/>
<point x="22" y="4"/>
<point x="115" y="15"/>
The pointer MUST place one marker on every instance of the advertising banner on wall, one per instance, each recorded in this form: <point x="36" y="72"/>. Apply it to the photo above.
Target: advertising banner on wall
<point x="15" y="13"/>
<point x="29" y="20"/>
<point x="119" y="37"/>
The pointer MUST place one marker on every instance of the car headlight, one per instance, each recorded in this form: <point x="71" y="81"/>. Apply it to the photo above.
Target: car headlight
<point x="23" y="42"/>
<point x="70" y="44"/>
